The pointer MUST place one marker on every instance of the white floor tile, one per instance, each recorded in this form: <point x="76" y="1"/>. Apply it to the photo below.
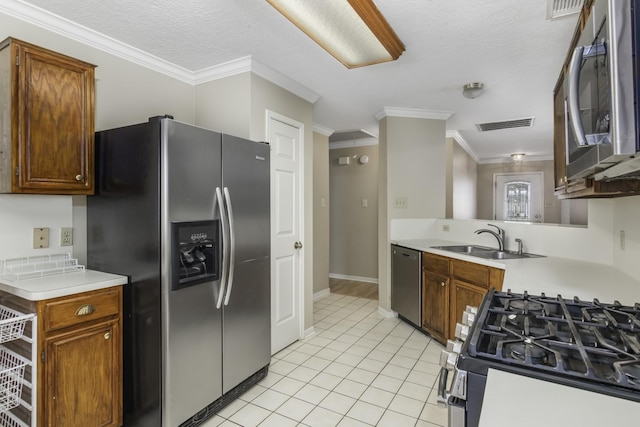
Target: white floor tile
<point x="250" y="415"/>
<point x="366" y="412"/>
<point x="350" y="388"/>
<point x="288" y="386"/>
<point x="321" y="417"/>
<point x="326" y="380"/>
<point x="337" y="402"/>
<point x="277" y="420"/>
<point x="394" y="419"/>
<point x="312" y="394"/>
<point x="434" y="414"/>
<point x="295" y="408"/>
<point x="406" y="405"/>
<point x="360" y="369"/>
<point x="377" y="397"/>
<point x="270" y="400"/>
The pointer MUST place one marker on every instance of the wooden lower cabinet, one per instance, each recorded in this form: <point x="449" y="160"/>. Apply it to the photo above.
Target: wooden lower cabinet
<point x="80" y="370"/>
<point x="435" y="306"/>
<point x="462" y="295"/>
<point x="448" y="286"/>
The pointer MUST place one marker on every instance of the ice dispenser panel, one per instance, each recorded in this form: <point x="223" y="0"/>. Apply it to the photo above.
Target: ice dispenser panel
<point x="195" y="253"/>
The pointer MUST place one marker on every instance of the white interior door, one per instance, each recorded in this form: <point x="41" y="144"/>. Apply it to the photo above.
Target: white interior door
<point x="518" y="197"/>
<point x="285" y="137"/>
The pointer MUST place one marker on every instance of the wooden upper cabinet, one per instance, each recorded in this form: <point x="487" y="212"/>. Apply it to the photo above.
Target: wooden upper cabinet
<point x="47" y="100"/>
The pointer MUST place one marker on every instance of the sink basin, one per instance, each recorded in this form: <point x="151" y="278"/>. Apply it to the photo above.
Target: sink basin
<point x="485" y="252"/>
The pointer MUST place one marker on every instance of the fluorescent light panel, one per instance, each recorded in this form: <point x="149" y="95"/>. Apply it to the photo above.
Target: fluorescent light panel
<point x="353" y="31"/>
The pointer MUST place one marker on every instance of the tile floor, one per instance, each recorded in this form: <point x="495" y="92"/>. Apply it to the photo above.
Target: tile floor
<point x="359" y="369"/>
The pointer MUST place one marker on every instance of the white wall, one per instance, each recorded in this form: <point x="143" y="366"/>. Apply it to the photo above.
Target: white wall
<point x="412" y="164"/>
<point x="126" y="93"/>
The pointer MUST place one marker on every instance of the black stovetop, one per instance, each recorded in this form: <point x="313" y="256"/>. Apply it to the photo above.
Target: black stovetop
<point x="588" y="344"/>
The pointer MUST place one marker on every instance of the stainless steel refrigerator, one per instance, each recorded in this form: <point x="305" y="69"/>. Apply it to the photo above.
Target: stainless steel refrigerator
<point x="184" y="213"/>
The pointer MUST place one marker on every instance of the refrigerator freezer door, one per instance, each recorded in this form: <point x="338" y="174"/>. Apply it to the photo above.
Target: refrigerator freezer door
<point x="247" y="313"/>
<point x="192" y="326"/>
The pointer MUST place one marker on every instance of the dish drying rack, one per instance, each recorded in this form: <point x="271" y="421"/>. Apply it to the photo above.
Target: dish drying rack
<point x="17" y="368"/>
<point x="24" y="268"/>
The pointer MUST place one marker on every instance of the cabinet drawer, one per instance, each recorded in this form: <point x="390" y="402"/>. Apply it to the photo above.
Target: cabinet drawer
<point x="68" y="311"/>
<point x="435" y="263"/>
<point x="470" y="272"/>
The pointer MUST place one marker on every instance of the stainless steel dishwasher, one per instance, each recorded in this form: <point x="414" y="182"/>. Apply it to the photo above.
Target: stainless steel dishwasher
<point x="406" y="287"/>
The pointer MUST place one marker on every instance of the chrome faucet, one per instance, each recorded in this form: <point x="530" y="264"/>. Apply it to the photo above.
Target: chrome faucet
<point x="499" y="235"/>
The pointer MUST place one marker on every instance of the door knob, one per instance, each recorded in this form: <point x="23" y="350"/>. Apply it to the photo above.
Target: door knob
<point x="297" y="245"/>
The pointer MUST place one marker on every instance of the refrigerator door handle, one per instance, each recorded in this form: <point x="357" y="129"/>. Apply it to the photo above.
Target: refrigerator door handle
<point x="225" y="247"/>
<point x="232" y="244"/>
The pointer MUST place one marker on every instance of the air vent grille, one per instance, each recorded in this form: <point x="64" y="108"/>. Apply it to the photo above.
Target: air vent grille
<point x="507" y="124"/>
<point x="560" y="8"/>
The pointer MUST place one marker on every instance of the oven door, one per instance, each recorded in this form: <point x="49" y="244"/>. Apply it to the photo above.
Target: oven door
<point x="509" y="397"/>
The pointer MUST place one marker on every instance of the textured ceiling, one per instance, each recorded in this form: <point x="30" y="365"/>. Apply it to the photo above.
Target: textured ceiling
<point x="506" y="44"/>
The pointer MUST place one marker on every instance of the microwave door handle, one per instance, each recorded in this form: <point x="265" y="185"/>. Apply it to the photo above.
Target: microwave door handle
<point x="232" y="244"/>
<point x="225" y="246"/>
<point x="566" y="133"/>
<point x="573" y="95"/>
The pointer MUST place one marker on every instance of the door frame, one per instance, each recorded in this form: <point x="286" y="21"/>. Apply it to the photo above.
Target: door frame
<point x="269" y="117"/>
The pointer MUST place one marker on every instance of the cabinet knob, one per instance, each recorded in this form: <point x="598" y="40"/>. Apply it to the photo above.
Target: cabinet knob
<point x="107" y="335"/>
<point x="442" y="284"/>
<point x="79" y="177"/>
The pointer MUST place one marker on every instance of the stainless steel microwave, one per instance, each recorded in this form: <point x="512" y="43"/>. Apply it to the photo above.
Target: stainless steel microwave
<point x="601" y="91"/>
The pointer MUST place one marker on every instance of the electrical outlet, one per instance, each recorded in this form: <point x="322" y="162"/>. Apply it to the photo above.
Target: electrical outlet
<point x="365" y="203"/>
<point x="66" y="236"/>
<point x="40" y="238"/>
<point x="445" y="227"/>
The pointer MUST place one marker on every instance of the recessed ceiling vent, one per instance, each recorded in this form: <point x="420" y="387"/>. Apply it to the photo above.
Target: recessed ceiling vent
<point x="508" y="124"/>
<point x="560" y="8"/>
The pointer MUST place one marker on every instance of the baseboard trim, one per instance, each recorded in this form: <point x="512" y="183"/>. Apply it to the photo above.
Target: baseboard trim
<point x="354" y="278"/>
<point x="321" y="294"/>
<point x="308" y="333"/>
<point x="389" y="314"/>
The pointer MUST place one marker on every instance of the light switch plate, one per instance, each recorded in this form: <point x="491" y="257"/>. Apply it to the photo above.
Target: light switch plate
<point x="40" y="238"/>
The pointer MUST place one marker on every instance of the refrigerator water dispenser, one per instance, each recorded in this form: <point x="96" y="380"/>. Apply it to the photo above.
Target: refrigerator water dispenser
<point x="195" y="253"/>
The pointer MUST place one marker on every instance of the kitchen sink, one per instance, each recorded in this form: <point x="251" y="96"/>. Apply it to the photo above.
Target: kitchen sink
<point x="485" y="252"/>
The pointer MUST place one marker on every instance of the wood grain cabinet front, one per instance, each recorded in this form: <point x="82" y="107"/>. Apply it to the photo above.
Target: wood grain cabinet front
<point x="48" y="119"/>
<point x="80" y="372"/>
<point x="448" y="286"/>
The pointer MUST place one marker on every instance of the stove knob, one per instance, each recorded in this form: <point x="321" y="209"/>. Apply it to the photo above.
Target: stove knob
<point x="471" y="309"/>
<point x="468" y="318"/>
<point x="448" y="359"/>
<point x="462" y="331"/>
<point x="454" y="346"/>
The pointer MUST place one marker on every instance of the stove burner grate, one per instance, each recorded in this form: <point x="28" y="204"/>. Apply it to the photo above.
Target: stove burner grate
<point x="589" y="341"/>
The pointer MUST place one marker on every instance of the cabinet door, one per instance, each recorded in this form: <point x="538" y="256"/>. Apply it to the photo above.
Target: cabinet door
<point x="435" y="304"/>
<point x="83" y="377"/>
<point x="55" y="123"/>
<point x="462" y="295"/>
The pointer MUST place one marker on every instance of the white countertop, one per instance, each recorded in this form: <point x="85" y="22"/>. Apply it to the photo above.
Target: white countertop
<point x="551" y="275"/>
<point x="61" y="285"/>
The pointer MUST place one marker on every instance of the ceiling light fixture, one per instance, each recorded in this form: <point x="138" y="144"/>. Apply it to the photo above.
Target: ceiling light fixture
<point x="517" y="157"/>
<point x="353" y="31"/>
<point x="472" y="90"/>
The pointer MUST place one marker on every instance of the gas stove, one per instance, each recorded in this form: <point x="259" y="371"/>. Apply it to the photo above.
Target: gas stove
<point x="586" y="344"/>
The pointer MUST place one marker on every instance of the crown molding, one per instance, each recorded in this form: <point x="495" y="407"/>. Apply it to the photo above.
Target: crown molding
<point x="463" y="143"/>
<point x="412" y="113"/>
<point x="66" y="28"/>
<point x="250" y="64"/>
<point x="322" y="130"/>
